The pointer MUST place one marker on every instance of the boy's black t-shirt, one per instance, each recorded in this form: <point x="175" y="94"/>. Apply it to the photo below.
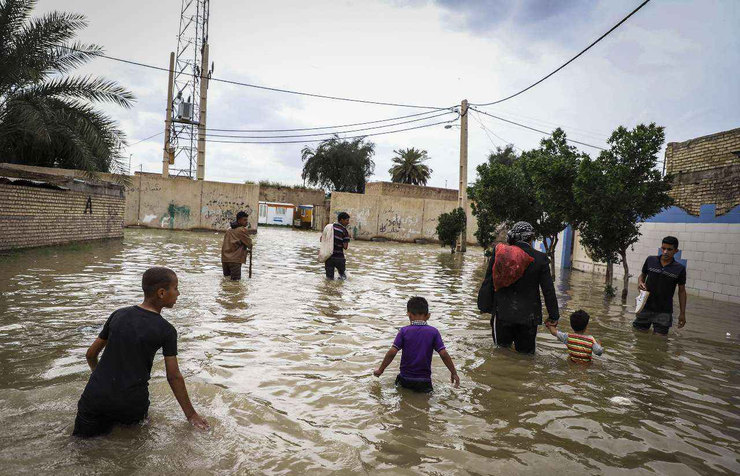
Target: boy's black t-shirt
<point x="661" y="282"/>
<point x="121" y="378"/>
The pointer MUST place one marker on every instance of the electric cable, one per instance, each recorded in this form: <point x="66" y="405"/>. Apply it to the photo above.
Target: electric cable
<point x="341" y="138"/>
<point x="535" y="130"/>
<point x="338" y="126"/>
<point x="567" y="62"/>
<point x="326" y="133"/>
<point x="265" y="88"/>
<point x="146" y="139"/>
<point x="487" y="130"/>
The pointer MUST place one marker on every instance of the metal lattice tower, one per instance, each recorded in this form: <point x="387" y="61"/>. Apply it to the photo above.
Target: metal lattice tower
<point x="192" y="36"/>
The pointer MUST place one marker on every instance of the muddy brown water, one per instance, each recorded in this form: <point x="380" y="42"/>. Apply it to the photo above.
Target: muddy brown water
<point x="281" y="365"/>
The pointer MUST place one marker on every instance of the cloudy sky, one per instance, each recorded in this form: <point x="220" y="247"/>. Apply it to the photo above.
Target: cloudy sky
<point x="676" y="63"/>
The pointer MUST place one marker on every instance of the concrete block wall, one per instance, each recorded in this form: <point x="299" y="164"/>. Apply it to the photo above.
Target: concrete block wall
<point x="184" y="204"/>
<point x="395" y="218"/>
<point x="709" y="247"/>
<point x="410" y="191"/>
<point x="33" y="216"/>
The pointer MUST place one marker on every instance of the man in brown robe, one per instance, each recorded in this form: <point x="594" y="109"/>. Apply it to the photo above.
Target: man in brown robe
<point x="237" y="244"/>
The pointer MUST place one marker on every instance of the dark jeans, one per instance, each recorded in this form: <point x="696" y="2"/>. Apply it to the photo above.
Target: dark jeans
<point x="423" y="386"/>
<point x="232" y="270"/>
<point x="335" y="262"/>
<point x="90" y="423"/>
<point x="661" y="321"/>
<point x="523" y="336"/>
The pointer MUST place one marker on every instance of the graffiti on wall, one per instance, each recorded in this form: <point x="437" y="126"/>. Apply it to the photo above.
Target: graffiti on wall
<point x="175" y="212"/>
<point x="88" y="205"/>
<point x="391" y="225"/>
<point x="219" y="213"/>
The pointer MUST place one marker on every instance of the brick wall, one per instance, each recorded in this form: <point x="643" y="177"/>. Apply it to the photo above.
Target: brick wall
<point x="32" y="216"/>
<point x="706" y="170"/>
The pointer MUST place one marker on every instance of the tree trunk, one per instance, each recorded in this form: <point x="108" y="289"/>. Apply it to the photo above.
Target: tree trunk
<point x="626" y="281"/>
<point x="609" y="274"/>
<point x="550" y="251"/>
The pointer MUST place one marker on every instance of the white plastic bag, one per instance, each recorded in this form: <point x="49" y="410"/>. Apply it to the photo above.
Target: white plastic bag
<point x="640" y="300"/>
<point x="326" y="248"/>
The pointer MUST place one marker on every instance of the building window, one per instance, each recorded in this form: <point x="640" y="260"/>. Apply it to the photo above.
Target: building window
<point x="263" y="210"/>
<point x="280" y="211"/>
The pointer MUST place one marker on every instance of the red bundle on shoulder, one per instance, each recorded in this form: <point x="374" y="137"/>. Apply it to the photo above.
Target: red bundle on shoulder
<point x="509" y="265"/>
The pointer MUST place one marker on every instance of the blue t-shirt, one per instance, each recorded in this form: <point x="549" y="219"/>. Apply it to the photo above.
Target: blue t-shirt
<point x="416" y="343"/>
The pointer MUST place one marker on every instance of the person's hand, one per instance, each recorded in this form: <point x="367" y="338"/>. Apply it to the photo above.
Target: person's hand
<point x="551" y="323"/>
<point x="641" y="286"/>
<point x="455" y="380"/>
<point x="199" y="422"/>
<point x="681" y="320"/>
<point x="377" y="372"/>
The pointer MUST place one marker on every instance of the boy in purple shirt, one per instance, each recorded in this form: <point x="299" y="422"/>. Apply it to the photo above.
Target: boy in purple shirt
<point x="417" y="342"/>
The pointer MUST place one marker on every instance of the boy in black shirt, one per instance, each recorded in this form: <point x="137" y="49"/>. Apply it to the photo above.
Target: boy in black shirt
<point x="118" y="389"/>
<point x="660" y="275"/>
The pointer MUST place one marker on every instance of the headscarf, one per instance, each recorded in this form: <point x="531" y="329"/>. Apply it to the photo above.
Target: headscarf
<point x="521" y="231"/>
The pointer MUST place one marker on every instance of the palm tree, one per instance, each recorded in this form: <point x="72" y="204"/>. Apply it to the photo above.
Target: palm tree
<point x="47" y="117"/>
<point x="409" y="168"/>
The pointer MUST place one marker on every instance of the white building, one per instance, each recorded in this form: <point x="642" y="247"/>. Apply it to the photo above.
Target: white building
<point x="273" y="213"/>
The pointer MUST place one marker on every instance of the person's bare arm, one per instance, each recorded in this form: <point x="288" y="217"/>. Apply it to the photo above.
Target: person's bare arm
<point x="454" y="379"/>
<point x="93" y="351"/>
<point x="641" y="282"/>
<point x="389" y="356"/>
<point x="177" y="384"/>
<point x="345" y="245"/>
<point x="682" y="303"/>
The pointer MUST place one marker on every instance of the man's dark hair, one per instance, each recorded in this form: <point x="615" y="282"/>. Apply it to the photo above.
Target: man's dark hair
<point x="343" y="216"/>
<point x="671" y="240"/>
<point x="417" y="306"/>
<point x="242" y="215"/>
<point x="155" y="279"/>
<point x="579" y="320"/>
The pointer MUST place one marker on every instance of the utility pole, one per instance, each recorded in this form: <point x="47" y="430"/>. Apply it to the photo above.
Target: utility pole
<point x="462" y="191"/>
<point x="205" y="76"/>
<point x="168" y="156"/>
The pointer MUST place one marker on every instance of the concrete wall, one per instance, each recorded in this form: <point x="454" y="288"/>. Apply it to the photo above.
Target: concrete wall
<point x="394" y="218"/>
<point x="34" y="216"/>
<point x="184" y="204"/>
<point x="709" y="247"/>
<point x="411" y="191"/>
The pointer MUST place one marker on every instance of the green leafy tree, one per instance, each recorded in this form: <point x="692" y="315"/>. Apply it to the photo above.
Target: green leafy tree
<point x="617" y="191"/>
<point x="537" y="187"/>
<point x="488" y="221"/>
<point x="409" y="167"/>
<point x="450" y="226"/>
<point x="339" y="165"/>
<point x="48" y="118"/>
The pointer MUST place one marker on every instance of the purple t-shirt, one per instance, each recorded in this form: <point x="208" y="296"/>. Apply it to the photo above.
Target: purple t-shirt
<point x="417" y="342"/>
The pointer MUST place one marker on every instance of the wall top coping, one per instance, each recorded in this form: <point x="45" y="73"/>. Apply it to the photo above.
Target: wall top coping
<point x="709" y="137"/>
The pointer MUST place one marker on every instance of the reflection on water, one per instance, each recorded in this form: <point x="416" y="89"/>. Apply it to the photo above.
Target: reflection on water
<point x="281" y="365"/>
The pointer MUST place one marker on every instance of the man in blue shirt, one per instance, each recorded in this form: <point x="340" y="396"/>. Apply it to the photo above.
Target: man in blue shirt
<point x="660" y="275"/>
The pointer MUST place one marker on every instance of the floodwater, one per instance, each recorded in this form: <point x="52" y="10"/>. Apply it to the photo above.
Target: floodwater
<point x="281" y="366"/>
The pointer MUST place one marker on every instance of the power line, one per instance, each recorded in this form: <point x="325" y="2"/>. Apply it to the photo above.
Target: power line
<point x="533" y="129"/>
<point x="342" y="138"/>
<point x="327" y="133"/>
<point x="146" y="139"/>
<point x="338" y="126"/>
<point x="487" y="130"/>
<point x="567" y="62"/>
<point x="267" y="88"/>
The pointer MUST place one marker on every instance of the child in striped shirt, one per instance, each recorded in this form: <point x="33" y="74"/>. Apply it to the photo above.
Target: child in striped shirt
<point x="580" y="345"/>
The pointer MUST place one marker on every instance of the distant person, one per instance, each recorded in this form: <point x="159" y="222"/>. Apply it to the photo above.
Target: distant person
<point x="118" y="389"/>
<point x="237" y="244"/>
<point x="416" y="342"/>
<point x="341" y="243"/>
<point x="581" y="346"/>
<point x="660" y="275"/>
<point x="516" y="307"/>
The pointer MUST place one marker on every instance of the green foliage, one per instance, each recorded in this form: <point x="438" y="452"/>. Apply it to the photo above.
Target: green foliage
<point x="339" y="165"/>
<point x="488" y="221"/>
<point x="536" y="187"/>
<point x="618" y="190"/>
<point x="47" y="118"/>
<point x="409" y="167"/>
<point x="450" y="226"/>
